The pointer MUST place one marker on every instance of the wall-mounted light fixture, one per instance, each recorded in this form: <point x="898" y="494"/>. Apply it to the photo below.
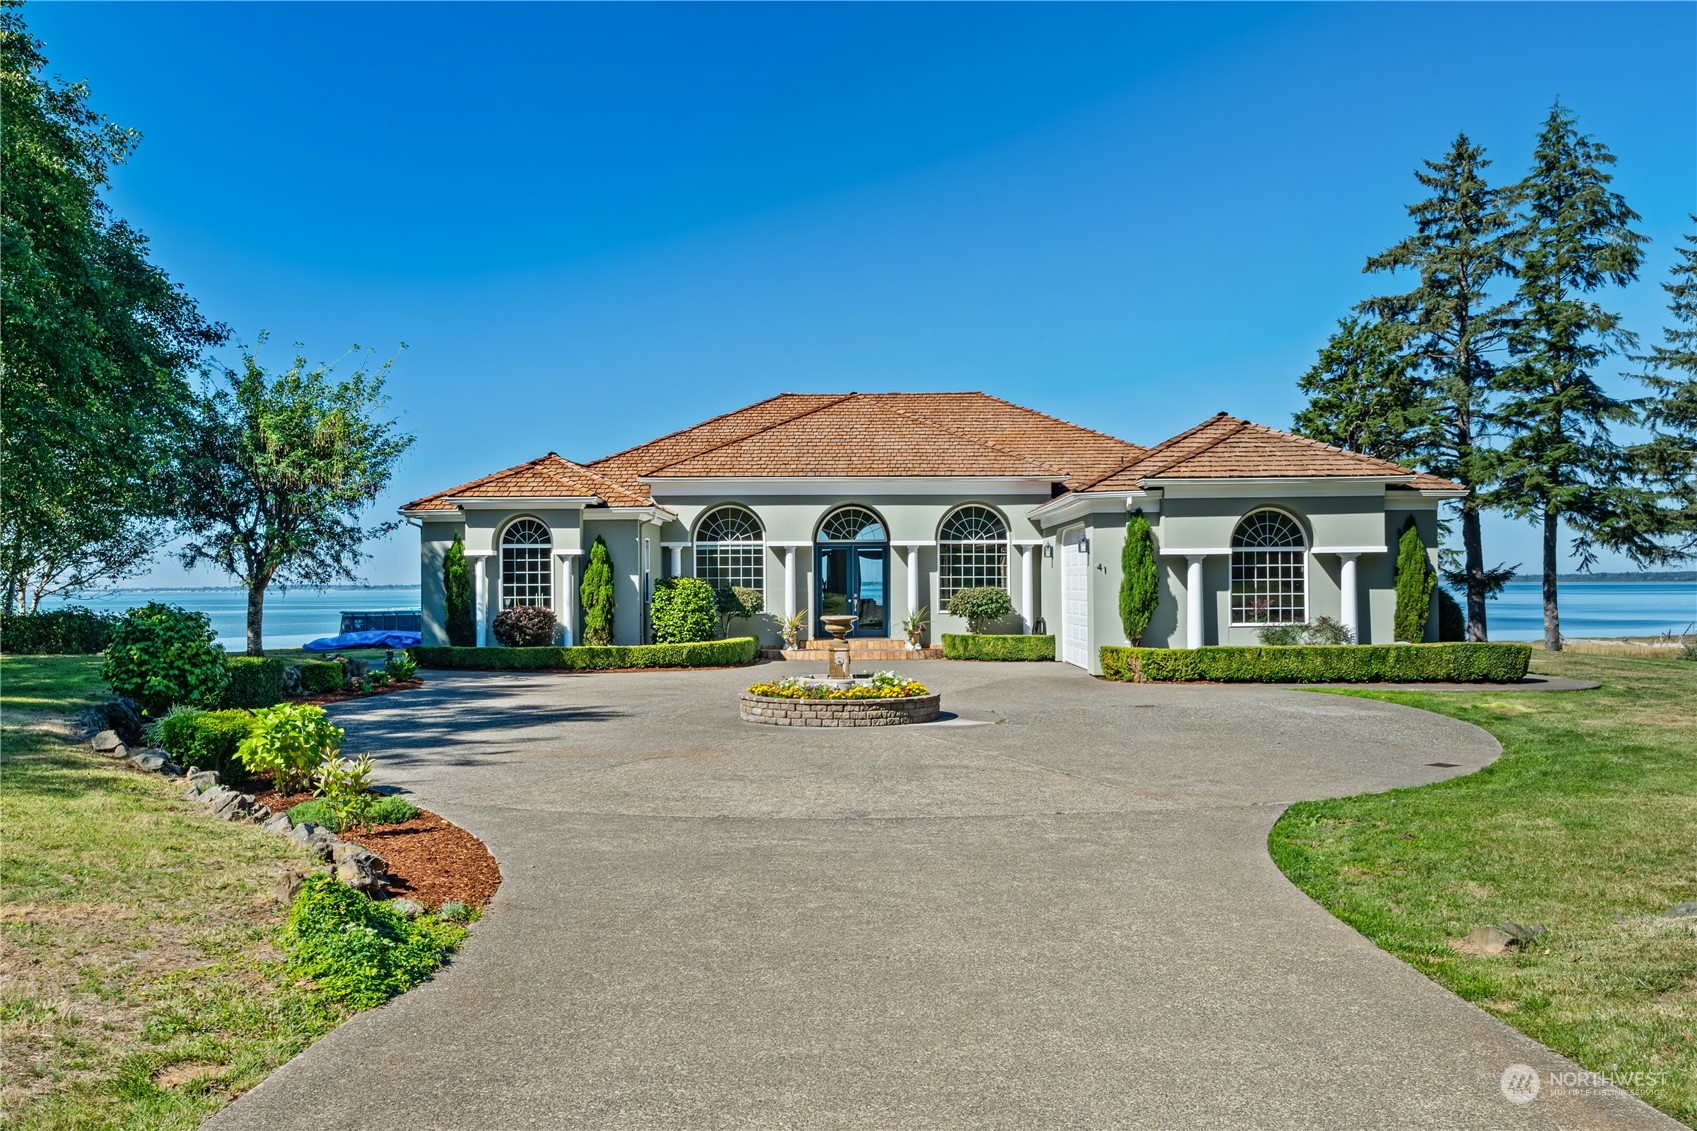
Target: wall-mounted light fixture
<point x="1084" y="545"/>
<point x="1048" y="549"/>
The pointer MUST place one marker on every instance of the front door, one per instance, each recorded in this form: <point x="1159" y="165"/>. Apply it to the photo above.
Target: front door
<point x="853" y="579"/>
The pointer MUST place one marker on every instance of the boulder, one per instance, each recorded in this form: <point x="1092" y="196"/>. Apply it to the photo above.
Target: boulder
<point x="154" y="761"/>
<point x="230" y="805"/>
<point x="346" y="850"/>
<point x="407" y="908"/>
<point x="1680" y="911"/>
<point x="121" y="716"/>
<point x="259" y="814"/>
<point x="289" y="885"/>
<point x="202" y="779"/>
<point x="1486" y="941"/>
<point x="352" y="672"/>
<point x="211" y="796"/>
<point x="192" y="793"/>
<point x="279" y="824"/>
<point x="106" y="742"/>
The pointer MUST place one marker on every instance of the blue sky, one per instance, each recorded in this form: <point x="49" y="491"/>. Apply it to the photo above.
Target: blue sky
<point x="594" y="224"/>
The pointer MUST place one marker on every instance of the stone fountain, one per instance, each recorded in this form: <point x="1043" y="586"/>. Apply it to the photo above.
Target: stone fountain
<point x="838" y="649"/>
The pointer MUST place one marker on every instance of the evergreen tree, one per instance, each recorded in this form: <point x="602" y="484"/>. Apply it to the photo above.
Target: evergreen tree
<point x="1140" y="579"/>
<point x="1667" y="463"/>
<point x="458" y="596"/>
<point x="595" y="595"/>
<point x="1415" y="580"/>
<point x="1365" y="393"/>
<point x="1450" y="324"/>
<point x="1560" y="464"/>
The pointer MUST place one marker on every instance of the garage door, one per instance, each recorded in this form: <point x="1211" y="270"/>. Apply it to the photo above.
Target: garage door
<point x="1075" y="598"/>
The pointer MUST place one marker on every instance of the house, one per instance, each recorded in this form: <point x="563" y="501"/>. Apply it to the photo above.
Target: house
<point x="880" y="503"/>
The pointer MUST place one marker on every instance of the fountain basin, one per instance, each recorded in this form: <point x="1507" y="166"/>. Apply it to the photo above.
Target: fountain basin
<point x="839" y="712"/>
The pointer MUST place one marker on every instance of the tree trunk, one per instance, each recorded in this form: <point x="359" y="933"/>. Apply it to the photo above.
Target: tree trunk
<point x="1473" y="565"/>
<point x="256" y="617"/>
<point x="1552" y="618"/>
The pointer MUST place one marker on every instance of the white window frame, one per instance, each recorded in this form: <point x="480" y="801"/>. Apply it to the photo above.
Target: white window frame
<point x="749" y="555"/>
<point x="1286" y="554"/>
<point x="538" y="558"/>
<point x="986" y="548"/>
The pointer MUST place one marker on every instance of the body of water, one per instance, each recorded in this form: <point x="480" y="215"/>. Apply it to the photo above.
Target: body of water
<point x="291" y="619"/>
<point x="1593" y="608"/>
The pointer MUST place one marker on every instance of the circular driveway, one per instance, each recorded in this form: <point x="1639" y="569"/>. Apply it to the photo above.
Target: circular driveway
<point x="1054" y="908"/>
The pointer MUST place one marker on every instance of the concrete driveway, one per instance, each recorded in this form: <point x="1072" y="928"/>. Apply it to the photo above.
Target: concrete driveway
<point x="1055" y="909"/>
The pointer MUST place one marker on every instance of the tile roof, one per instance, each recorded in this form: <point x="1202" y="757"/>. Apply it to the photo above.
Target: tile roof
<point x="549" y="476"/>
<point x="1224" y="447"/>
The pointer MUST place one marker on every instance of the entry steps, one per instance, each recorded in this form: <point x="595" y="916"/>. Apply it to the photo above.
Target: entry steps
<point x="862" y="650"/>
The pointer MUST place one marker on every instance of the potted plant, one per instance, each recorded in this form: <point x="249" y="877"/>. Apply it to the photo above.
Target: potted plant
<point x="791" y="629"/>
<point x="914" y="625"/>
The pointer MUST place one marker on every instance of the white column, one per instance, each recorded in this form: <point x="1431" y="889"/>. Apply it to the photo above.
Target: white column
<point x="789" y="581"/>
<point x="1195" y="624"/>
<point x="1027" y="572"/>
<point x="1351" y="601"/>
<point x="677" y="561"/>
<point x="568" y="596"/>
<point x="482" y="601"/>
<point x="912" y="580"/>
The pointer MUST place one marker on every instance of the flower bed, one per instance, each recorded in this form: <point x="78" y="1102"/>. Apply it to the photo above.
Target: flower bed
<point x="886" y="700"/>
<point x="884" y="685"/>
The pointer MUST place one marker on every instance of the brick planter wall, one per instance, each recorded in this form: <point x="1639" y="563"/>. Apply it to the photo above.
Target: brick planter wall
<point x="839" y="712"/>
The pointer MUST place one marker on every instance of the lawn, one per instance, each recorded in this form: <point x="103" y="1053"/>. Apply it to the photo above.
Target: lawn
<point x="1586" y="825"/>
<point x="139" y="986"/>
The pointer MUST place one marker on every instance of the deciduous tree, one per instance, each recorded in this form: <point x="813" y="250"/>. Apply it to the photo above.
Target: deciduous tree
<point x="275" y="472"/>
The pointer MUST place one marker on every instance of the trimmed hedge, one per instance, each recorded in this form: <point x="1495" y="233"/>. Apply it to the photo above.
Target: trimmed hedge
<point x="320" y="676"/>
<point x="206" y="740"/>
<point x="706" y="654"/>
<point x="72" y="631"/>
<point x="978" y="646"/>
<point x="255" y="681"/>
<point x="1321" y="663"/>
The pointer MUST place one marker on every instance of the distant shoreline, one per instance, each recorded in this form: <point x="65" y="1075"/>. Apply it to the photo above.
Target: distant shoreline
<point x="243" y="589"/>
<point x="1664" y="575"/>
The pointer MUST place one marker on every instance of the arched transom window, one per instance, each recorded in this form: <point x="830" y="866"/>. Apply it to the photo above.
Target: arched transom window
<point x="972" y="550"/>
<point x="730" y="549"/>
<point x="852" y="524"/>
<point x="527" y="574"/>
<point x="1269" y="570"/>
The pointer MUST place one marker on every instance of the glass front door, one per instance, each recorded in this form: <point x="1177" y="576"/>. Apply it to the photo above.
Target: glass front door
<point x="854" y="580"/>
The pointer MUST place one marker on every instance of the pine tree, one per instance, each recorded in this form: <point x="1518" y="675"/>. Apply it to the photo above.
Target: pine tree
<point x="1450" y="325"/>
<point x="1415" y="580"/>
<point x="1365" y="393"/>
<point x="596" y="595"/>
<point x="1560" y="464"/>
<point x="1667" y="463"/>
<point x="458" y="596"/>
<point x="1140" y="580"/>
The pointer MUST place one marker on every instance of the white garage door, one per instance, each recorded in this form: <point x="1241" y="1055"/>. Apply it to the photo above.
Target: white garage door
<point x="1075" y="598"/>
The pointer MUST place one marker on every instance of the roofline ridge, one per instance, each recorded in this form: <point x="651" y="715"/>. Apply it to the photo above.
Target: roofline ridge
<point x="1068" y="423"/>
<point x="698" y="424"/>
<point x="980" y="441"/>
<point x="1323" y="446"/>
<point x="470" y="483"/>
<point x="1147" y="452"/>
<point x="838" y="398"/>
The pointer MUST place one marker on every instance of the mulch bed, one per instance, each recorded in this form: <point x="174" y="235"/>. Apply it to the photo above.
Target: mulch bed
<point x="342" y="696"/>
<point x="430" y="858"/>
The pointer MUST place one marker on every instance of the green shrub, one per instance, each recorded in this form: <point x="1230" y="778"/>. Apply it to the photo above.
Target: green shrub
<point x="1452" y="620"/>
<point x="684" y="610"/>
<point x="255" y="681"/>
<point x="458" y="596"/>
<point x="288" y="743"/>
<point x="980" y="606"/>
<point x="1322" y="663"/>
<point x="1322" y="630"/>
<point x="207" y="740"/>
<point x="959" y="646"/>
<point x="73" y="631"/>
<point x="737" y="602"/>
<point x="344" y="785"/>
<point x="1415" y="580"/>
<point x="596" y="595"/>
<point x="355" y="950"/>
<point x="319" y="677"/>
<point x="525" y="626"/>
<point x="402" y="667"/>
<point x="162" y="655"/>
<point x="707" y="654"/>
<point x="389" y="810"/>
<point x="1140" y="578"/>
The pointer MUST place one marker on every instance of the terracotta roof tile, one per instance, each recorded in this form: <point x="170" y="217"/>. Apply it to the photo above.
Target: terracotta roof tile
<point x="548" y="476"/>
<point x="1224" y="447"/>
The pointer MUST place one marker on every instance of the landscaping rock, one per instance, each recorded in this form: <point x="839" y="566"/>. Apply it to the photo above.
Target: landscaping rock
<point x="409" y="908"/>
<point x="202" y="779"/>
<point x="107" y="741"/>
<point x="259" y="814"/>
<point x="192" y="793"/>
<point x="121" y="716"/>
<point x="361" y="876"/>
<point x="154" y="761"/>
<point x="317" y="839"/>
<point x="1487" y="942"/>
<point x="347" y="850"/>
<point x="289" y="885"/>
<point x="352" y="672"/>
<point x="292" y="680"/>
<point x="1680" y="911"/>
<point x="1523" y="935"/>
<point x="279" y="824"/>
<point x="229" y="805"/>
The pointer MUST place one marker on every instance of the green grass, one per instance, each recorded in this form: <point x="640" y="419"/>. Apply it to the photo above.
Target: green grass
<point x="140" y="984"/>
<point x="1587" y="825"/>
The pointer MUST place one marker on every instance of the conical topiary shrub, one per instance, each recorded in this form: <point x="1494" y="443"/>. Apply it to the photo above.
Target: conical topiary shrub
<point x="596" y="595"/>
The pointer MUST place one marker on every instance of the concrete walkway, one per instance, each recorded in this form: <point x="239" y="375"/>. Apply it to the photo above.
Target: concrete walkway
<point x="1053" y="909"/>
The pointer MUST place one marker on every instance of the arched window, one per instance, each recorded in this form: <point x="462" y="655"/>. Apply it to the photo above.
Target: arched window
<point x="972" y="550"/>
<point x="1269" y="570"/>
<point x="730" y="549"/>
<point x="852" y="524"/>
<point x="527" y="574"/>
